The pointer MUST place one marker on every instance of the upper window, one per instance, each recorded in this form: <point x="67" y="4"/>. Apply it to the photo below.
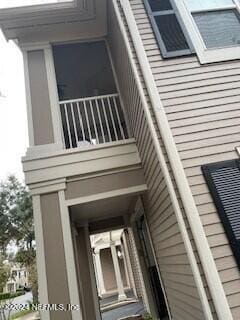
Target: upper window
<point x="211" y="28"/>
<point x="214" y="27"/>
<point x="168" y="28"/>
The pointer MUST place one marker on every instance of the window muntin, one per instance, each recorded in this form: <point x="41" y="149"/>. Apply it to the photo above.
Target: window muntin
<point x="168" y="29"/>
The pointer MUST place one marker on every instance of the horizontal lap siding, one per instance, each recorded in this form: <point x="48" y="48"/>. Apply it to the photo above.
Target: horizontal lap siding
<point x="202" y="106"/>
<point x="171" y="255"/>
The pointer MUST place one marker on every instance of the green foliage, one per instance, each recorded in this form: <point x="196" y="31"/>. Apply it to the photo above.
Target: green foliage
<point x="147" y="316"/>
<point x="8" y="295"/>
<point x="16" y="214"/>
<point x="33" y="280"/>
<point x="16" y="225"/>
<point x="4" y="275"/>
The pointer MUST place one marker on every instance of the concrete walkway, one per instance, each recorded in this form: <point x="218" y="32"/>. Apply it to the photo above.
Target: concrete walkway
<point x="123" y="311"/>
<point x="30" y="316"/>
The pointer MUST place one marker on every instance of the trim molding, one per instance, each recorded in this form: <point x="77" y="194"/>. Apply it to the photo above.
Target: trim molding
<point x="53" y="96"/>
<point x="106" y="195"/>
<point x="41" y="263"/>
<point x="28" y="99"/>
<point x="69" y="257"/>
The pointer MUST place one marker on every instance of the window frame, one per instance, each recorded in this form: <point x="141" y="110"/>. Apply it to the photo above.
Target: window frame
<point x="206" y="170"/>
<point x="162" y="47"/>
<point x="206" y="55"/>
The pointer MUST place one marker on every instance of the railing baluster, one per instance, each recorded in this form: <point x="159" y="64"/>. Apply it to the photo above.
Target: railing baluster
<point x="74" y="124"/>
<point x="113" y="122"/>
<point x="118" y="118"/>
<point x="94" y="122"/>
<point x="88" y="126"/>
<point x="105" y="116"/>
<point x="68" y="126"/>
<point x="80" y="121"/>
<point x="93" y="118"/>
<point x="100" y="121"/>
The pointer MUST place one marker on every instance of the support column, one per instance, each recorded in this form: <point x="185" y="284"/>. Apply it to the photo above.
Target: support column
<point x="129" y="266"/>
<point x="121" y="294"/>
<point x="99" y="272"/>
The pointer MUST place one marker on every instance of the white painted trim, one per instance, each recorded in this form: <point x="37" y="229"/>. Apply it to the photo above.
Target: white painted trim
<point x="28" y="99"/>
<point x="69" y="257"/>
<point x="238" y="151"/>
<point x="48" y="189"/>
<point x="33" y="46"/>
<point x="205" y="55"/>
<point x="35" y="152"/>
<point x="53" y="96"/>
<point x="92" y="273"/>
<point x="41" y="262"/>
<point x="109" y="194"/>
<point x="54" y="150"/>
<point x="204" y="251"/>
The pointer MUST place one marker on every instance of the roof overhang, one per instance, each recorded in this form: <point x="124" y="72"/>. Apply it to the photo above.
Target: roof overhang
<point x="44" y="20"/>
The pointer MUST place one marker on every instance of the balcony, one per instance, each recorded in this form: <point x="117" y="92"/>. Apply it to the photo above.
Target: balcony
<point x="90" y="107"/>
<point x="92" y="120"/>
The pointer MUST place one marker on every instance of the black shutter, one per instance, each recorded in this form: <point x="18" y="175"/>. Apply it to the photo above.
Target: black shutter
<point x="223" y="180"/>
<point x="172" y="39"/>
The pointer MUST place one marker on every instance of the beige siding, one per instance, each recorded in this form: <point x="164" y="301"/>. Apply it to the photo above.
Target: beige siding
<point x="178" y="279"/>
<point x="202" y="105"/>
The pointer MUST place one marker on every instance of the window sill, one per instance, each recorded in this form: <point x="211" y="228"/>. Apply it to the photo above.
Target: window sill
<point x="218" y="55"/>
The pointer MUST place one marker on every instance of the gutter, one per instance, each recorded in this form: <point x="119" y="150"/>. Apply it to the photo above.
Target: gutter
<point x="204" y="251"/>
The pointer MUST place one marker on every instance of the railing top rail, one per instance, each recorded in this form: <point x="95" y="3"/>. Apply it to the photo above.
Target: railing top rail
<point x="90" y="98"/>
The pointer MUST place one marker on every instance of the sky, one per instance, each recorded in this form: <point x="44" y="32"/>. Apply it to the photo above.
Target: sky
<point x="13" y="115"/>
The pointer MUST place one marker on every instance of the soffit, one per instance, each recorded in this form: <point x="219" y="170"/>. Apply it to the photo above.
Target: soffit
<point x="43" y="22"/>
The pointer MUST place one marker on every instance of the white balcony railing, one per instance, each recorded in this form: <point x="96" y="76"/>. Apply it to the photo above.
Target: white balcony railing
<point x="93" y="120"/>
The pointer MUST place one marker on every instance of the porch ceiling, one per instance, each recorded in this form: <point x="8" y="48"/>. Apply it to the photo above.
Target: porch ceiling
<point x="102" y="209"/>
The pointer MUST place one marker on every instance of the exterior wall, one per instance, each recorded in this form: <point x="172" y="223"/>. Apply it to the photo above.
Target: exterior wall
<point x="202" y="106"/>
<point x="84" y="276"/>
<point x="57" y="282"/>
<point x="178" y="280"/>
<point x="135" y="264"/>
<point x="40" y="101"/>
<point x="108" y="270"/>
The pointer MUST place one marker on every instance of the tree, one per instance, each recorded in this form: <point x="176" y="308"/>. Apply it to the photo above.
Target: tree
<point x="4" y="275"/>
<point x="16" y="214"/>
<point x="16" y="225"/>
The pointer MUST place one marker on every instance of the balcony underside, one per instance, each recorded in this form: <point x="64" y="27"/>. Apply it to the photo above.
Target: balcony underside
<point x="86" y="161"/>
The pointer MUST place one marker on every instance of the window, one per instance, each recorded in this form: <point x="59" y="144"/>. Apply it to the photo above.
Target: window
<point x="223" y="180"/>
<point x="169" y="31"/>
<point x="214" y="27"/>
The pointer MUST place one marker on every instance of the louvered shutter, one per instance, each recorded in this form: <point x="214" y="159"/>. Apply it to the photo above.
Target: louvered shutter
<point x="223" y="180"/>
<point x="169" y="30"/>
